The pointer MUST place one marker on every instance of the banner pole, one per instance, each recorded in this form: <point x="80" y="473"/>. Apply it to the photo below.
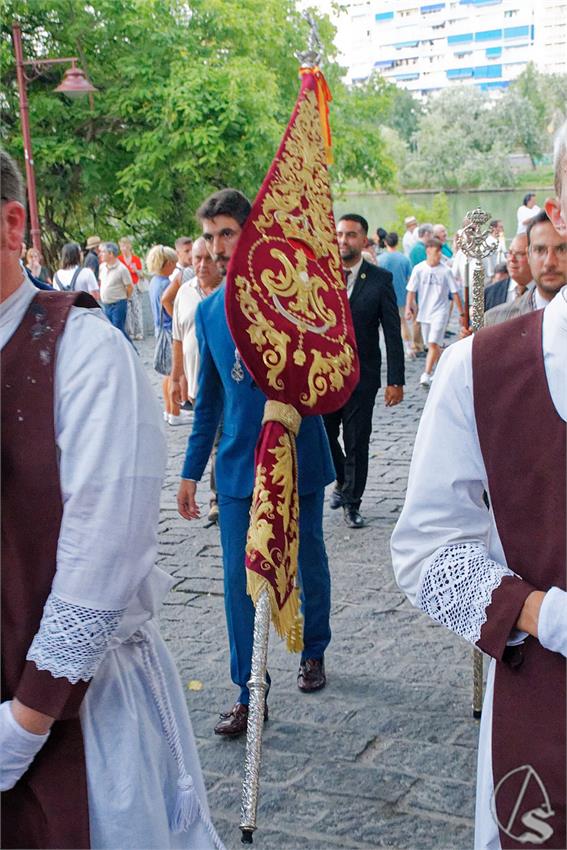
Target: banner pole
<point x="475" y="244"/>
<point x="257" y="686"/>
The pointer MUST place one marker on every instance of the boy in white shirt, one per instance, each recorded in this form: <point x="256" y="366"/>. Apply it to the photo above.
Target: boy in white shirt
<point x="432" y="280"/>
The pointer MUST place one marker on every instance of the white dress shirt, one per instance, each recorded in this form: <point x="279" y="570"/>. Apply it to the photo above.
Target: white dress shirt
<point x="352" y="276"/>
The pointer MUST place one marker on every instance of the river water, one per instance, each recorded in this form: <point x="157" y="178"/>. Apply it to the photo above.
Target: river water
<point x="380" y="209"/>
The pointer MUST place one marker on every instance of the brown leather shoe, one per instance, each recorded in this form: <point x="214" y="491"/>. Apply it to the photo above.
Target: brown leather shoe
<point x="235" y="721"/>
<point x="311" y="676"/>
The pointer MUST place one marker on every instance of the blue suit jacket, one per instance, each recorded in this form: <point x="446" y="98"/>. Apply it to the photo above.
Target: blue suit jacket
<point x="242" y="407"/>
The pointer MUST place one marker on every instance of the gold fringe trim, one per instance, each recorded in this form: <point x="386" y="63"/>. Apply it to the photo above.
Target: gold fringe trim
<point x="288" y="621"/>
<point x="285" y="414"/>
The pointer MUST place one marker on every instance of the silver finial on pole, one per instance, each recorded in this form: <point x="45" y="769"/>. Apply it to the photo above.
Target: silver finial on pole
<point x="312" y="56"/>
<point x="473" y="241"/>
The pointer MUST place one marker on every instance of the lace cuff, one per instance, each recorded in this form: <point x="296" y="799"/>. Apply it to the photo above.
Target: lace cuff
<point x="457" y="588"/>
<point x="72" y="640"/>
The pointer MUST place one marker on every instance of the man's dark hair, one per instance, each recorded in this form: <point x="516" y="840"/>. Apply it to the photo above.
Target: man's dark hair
<point x="434" y="242"/>
<point x="181" y="241"/>
<point x="540" y="218"/>
<point x="11" y="183"/>
<point x="359" y="220"/>
<point x="494" y="223"/>
<point x="527" y="197"/>
<point x="500" y="268"/>
<point x="391" y="239"/>
<point x="225" y="202"/>
<point x="70" y="255"/>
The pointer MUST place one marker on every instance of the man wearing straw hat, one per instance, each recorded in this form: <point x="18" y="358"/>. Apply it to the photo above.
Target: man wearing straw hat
<point x="92" y="256"/>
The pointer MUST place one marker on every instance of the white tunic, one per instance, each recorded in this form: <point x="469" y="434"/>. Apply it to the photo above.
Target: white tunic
<point x="444" y="509"/>
<point x="106" y="589"/>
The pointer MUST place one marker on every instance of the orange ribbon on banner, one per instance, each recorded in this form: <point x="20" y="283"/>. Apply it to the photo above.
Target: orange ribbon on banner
<point x="324" y="97"/>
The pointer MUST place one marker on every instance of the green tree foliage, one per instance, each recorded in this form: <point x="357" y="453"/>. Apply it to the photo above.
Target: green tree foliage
<point x="404" y="115"/>
<point x="458" y="144"/>
<point x="359" y="114"/>
<point x="463" y="138"/>
<point x="533" y="109"/>
<point x="191" y="97"/>
<point x="436" y="213"/>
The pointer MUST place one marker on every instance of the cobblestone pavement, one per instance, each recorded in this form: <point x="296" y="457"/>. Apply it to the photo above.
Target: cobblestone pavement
<point x="385" y="756"/>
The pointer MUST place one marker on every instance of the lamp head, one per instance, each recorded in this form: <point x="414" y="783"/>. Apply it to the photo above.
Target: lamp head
<point x="75" y="83"/>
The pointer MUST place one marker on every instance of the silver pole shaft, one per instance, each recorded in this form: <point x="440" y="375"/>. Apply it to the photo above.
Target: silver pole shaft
<point x="477" y="682"/>
<point x="257" y="686"/>
<point x="477" y="297"/>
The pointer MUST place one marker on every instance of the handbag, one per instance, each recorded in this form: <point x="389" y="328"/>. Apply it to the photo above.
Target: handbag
<point x="162" y="353"/>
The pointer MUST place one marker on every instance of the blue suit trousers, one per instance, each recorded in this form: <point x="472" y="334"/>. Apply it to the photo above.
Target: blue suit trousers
<point x="314" y="580"/>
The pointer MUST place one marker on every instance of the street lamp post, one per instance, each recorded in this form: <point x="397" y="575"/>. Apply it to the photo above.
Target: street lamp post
<point x="74" y="83"/>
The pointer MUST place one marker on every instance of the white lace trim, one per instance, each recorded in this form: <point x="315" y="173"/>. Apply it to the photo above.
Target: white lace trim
<point x="457" y="588"/>
<point x="72" y="640"/>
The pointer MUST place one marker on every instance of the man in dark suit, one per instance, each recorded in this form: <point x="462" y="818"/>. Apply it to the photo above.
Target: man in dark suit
<point x="520" y="275"/>
<point x="227" y="393"/>
<point x="373" y="304"/>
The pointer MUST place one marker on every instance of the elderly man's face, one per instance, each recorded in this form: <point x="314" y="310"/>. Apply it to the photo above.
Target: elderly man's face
<point x="548" y="259"/>
<point x="204" y="266"/>
<point x="107" y="256"/>
<point x="517" y="260"/>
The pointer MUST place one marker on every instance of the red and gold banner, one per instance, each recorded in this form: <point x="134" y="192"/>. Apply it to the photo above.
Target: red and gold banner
<point x="288" y="312"/>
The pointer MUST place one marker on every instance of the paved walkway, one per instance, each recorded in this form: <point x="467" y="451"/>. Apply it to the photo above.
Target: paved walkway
<point x="385" y="756"/>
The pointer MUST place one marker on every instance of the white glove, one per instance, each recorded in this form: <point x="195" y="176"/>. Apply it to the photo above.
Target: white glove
<point x="18" y="747"/>
<point x="552" y="621"/>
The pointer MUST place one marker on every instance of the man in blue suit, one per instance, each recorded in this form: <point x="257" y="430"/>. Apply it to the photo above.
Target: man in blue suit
<point x="227" y="394"/>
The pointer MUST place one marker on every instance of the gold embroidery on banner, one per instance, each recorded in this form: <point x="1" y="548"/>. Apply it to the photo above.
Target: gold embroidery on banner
<point x="299" y="203"/>
<point x="295" y="282"/>
<point x="261" y="529"/>
<point x="302" y="173"/>
<point x="287" y="507"/>
<point x="263" y="335"/>
<point x="326" y="373"/>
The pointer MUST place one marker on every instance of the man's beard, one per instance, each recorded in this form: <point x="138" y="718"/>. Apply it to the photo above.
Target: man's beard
<point x="348" y="254"/>
<point x="222" y="263"/>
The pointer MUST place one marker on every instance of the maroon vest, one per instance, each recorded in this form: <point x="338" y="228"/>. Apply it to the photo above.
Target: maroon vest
<point x="48" y="806"/>
<point x="523" y="444"/>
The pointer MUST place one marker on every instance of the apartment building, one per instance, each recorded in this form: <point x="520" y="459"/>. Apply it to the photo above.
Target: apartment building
<point x="432" y="46"/>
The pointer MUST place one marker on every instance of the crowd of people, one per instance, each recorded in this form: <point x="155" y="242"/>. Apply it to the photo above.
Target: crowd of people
<point x="430" y="275"/>
<point x="85" y="666"/>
